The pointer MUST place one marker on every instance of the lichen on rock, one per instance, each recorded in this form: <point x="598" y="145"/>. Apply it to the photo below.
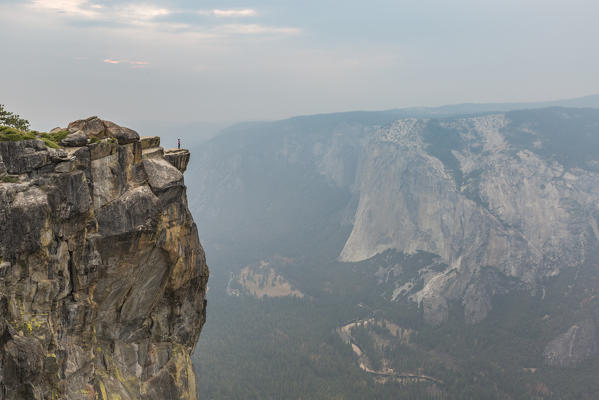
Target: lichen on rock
<point x="102" y="275"/>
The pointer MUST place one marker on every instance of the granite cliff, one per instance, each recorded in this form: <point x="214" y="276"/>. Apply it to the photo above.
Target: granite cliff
<point x="487" y="194"/>
<point x="102" y="275"/>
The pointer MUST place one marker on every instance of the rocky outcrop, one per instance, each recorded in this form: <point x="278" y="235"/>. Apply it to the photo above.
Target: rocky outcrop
<point x="29" y="156"/>
<point x="178" y="157"/>
<point x="76" y="139"/>
<point x="102" y="276"/>
<point x="261" y="279"/>
<point x="95" y="128"/>
<point x="573" y="346"/>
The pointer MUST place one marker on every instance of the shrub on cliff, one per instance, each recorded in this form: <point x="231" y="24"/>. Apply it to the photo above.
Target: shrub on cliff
<point x="9" y="134"/>
<point x="12" y="120"/>
<point x="14" y="128"/>
<point x="52" y="139"/>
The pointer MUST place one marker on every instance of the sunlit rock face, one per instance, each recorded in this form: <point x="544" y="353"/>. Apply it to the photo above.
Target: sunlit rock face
<point x="102" y="275"/>
<point x="481" y="193"/>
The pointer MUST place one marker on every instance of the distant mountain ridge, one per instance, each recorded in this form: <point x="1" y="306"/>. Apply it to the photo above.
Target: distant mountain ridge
<point x="387" y="116"/>
<point x="591" y="101"/>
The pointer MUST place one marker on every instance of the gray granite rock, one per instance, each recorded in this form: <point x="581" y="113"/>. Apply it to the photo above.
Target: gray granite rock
<point x="92" y="127"/>
<point x="24" y="156"/>
<point x="153" y="152"/>
<point x="102" y="276"/>
<point x="573" y="346"/>
<point x="161" y="174"/>
<point x="120" y="133"/>
<point x="484" y="203"/>
<point x="148" y="142"/>
<point x="178" y="157"/>
<point x="76" y="139"/>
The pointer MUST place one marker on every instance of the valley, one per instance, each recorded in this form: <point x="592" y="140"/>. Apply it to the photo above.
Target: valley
<point x="437" y="258"/>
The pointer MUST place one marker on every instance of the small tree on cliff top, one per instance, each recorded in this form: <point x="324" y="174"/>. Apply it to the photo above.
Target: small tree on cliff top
<point x="13" y="120"/>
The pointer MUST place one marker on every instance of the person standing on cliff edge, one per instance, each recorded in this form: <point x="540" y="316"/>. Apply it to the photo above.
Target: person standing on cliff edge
<point x="179" y="143"/>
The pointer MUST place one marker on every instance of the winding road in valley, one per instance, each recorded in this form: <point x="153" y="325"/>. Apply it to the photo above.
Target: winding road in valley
<point x="386" y="372"/>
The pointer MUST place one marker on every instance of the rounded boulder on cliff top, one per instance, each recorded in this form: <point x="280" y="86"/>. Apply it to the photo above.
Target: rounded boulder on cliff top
<point x="94" y="127"/>
<point x="122" y="134"/>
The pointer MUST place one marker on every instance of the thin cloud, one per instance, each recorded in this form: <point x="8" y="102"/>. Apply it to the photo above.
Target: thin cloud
<point x="131" y="13"/>
<point x="132" y="64"/>
<point x="156" y="18"/>
<point x="248" y="12"/>
<point x="256" y="29"/>
<point x="141" y="12"/>
<point x="76" y="8"/>
<point x="85" y="8"/>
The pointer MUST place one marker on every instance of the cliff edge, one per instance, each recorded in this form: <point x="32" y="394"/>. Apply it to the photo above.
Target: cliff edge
<point x="102" y="275"/>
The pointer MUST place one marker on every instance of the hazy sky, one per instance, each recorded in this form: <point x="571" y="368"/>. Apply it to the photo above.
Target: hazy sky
<point x="265" y="59"/>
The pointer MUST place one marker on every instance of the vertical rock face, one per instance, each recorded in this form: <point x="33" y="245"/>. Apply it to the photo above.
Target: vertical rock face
<point x="102" y="276"/>
<point x="474" y="192"/>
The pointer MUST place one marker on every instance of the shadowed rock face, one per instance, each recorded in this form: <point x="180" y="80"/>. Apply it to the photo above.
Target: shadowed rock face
<point x="179" y="158"/>
<point x="102" y="276"/>
<point x="573" y="346"/>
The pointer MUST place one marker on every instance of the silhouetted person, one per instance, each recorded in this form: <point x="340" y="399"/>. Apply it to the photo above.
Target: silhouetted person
<point x="179" y="143"/>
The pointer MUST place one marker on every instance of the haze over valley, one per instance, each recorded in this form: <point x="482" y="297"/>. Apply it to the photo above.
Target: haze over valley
<point x="259" y="199"/>
<point x="408" y="252"/>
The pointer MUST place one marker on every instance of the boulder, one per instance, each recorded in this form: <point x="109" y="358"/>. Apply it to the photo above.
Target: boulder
<point x="120" y="133"/>
<point x="92" y="127"/>
<point x="161" y="174"/>
<point x="77" y="139"/>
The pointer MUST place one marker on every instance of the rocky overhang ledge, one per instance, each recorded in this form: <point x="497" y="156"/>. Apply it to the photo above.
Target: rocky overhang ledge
<point x="102" y="275"/>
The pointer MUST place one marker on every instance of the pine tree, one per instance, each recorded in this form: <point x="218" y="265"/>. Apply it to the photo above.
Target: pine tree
<point x="13" y="120"/>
